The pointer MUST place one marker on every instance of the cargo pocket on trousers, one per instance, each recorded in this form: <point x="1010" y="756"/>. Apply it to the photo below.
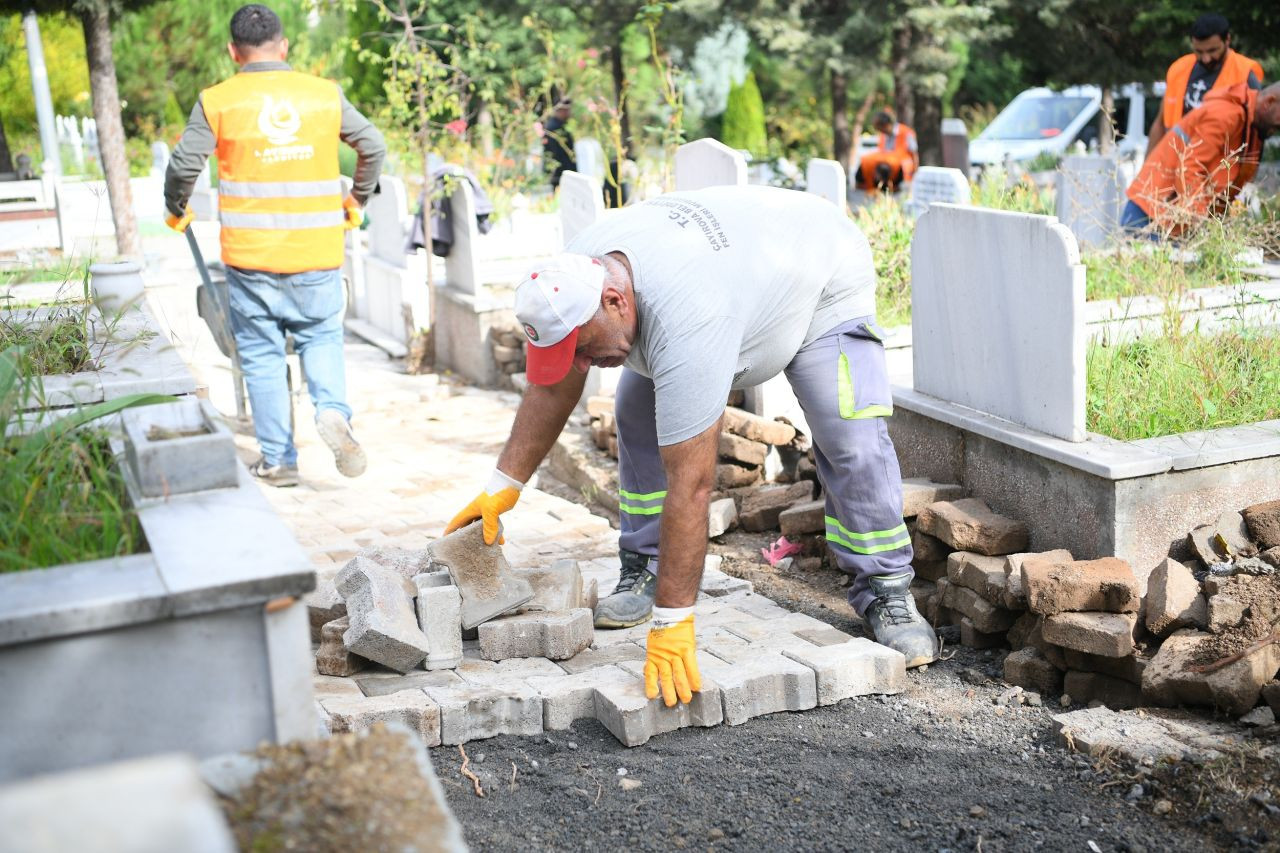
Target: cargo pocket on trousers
<point x="861" y="376"/>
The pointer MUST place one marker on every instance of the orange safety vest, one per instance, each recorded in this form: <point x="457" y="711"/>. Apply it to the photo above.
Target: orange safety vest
<point x="900" y="156"/>
<point x="279" y="188"/>
<point x="1235" y="69"/>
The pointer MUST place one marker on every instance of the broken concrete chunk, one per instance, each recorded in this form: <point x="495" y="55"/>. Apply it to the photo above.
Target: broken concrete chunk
<point x="1105" y="585"/>
<point x="731" y="476"/>
<point x="557" y="636"/>
<point x="1115" y="693"/>
<point x="1263" y="523"/>
<point x="481" y="574"/>
<point x="1099" y="731"/>
<point x="1171" y="678"/>
<point x="985" y="616"/>
<point x="1014" y="592"/>
<point x="554" y="589"/>
<point x="919" y="492"/>
<point x="760" y="508"/>
<point x="384" y="627"/>
<point x="856" y="668"/>
<point x="970" y="525"/>
<point x="1106" y="634"/>
<point x="332" y="658"/>
<point x="808" y="517"/>
<point x="757" y="428"/>
<point x="1174" y="599"/>
<point x="323" y="603"/>
<point x="1223" y="540"/>
<point x="722" y="516"/>
<point x="404" y="562"/>
<point x="743" y="450"/>
<point x="440" y="618"/>
<point x="1029" y="669"/>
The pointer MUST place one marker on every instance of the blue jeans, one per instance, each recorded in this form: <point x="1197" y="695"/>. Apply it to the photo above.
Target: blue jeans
<point x="1134" y="218"/>
<point x="266" y="306"/>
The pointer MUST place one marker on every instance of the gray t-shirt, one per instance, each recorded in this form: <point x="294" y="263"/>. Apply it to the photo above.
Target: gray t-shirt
<point x="731" y="282"/>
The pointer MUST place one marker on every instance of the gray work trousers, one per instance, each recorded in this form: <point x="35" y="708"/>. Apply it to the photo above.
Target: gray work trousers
<point x="843" y="388"/>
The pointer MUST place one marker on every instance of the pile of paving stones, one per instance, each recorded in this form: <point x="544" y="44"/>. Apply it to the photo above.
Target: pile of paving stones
<point x="1103" y="631"/>
<point x="507" y="345"/>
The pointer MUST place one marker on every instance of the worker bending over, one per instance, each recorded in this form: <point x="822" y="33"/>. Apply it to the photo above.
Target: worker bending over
<point x="896" y="158"/>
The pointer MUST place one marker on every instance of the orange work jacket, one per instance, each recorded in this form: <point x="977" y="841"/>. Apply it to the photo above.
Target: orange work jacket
<point x="900" y="155"/>
<point x="1203" y="161"/>
<point x="1235" y="69"/>
<point x="279" y="188"/>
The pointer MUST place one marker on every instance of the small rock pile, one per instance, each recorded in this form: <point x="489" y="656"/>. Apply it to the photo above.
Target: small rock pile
<point x="507" y="344"/>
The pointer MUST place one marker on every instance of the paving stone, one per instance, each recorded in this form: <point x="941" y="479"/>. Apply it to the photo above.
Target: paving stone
<point x="761" y="507"/>
<point x="970" y="525"/>
<point x="919" y="492"/>
<point x="972" y="638"/>
<point x="1019" y="634"/>
<point x="762" y="683"/>
<point x="383" y="625"/>
<point x="623" y="709"/>
<point x="1105" y="634"/>
<point x="1129" y="668"/>
<point x="823" y="636"/>
<point x="928" y="548"/>
<point x="440" y="618"/>
<point x="556" y="588"/>
<point x="782" y="627"/>
<point x="473" y="712"/>
<point x="411" y="708"/>
<point x="1235" y="688"/>
<point x="568" y="698"/>
<point x="722" y="516"/>
<point x="1015" y="595"/>
<point x="757" y="428"/>
<point x="1106" y="585"/>
<point x="978" y="572"/>
<point x="855" y="668"/>
<point x="1137" y="736"/>
<point x="489" y="673"/>
<point x="403" y="561"/>
<point x="332" y="658"/>
<point x="760" y="607"/>
<point x="1115" y="693"/>
<point x="1263" y="523"/>
<point x="1174" y="599"/>
<point x="606" y="656"/>
<point x="742" y="450"/>
<point x="717" y="584"/>
<point x="1222" y="540"/>
<point x="383" y="684"/>
<point x="329" y="685"/>
<point x="324" y="604"/>
<point x="986" y="617"/>
<point x="558" y="636"/>
<point x="637" y="634"/>
<point x="1029" y="669"/>
<point x="803" y="518"/>
<point x="481" y="573"/>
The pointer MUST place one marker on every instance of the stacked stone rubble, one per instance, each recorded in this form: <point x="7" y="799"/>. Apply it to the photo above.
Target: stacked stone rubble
<point x="507" y="344"/>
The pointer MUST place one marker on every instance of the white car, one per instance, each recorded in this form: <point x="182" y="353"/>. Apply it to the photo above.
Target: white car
<point x="1042" y="121"/>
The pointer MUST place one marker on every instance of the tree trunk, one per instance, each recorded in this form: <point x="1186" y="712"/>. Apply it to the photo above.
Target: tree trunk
<point x="899" y="61"/>
<point x="6" y="161"/>
<point x="841" y="138"/>
<point x="619" y="85"/>
<point x="96" y="20"/>
<point x="1106" y="127"/>
<point x="864" y="109"/>
<point x="928" y="129"/>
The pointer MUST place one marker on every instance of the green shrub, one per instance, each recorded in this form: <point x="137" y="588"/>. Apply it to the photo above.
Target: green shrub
<point x="889" y="231"/>
<point x="743" y="124"/>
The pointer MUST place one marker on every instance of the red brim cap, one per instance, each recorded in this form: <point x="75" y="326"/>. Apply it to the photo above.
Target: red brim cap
<point x="548" y="365"/>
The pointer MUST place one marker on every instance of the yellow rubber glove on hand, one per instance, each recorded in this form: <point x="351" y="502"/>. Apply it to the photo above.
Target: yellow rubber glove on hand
<point x="671" y="662"/>
<point x="179" y="223"/>
<point x="499" y="495"/>
<point x="353" y="212"/>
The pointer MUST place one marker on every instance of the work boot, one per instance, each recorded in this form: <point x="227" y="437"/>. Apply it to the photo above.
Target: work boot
<point x="631" y="602"/>
<point x="335" y="429"/>
<point x="897" y="623"/>
<point x="280" y="475"/>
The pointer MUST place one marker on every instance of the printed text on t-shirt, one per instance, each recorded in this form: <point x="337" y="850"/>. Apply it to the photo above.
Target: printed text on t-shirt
<point x="684" y="214"/>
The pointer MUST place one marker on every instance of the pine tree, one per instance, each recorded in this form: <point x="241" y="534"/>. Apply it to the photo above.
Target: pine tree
<point x="743" y="126"/>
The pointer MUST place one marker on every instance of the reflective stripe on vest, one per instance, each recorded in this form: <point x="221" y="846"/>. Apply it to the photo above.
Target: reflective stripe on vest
<point x="1235" y="69"/>
<point x="279" y="189"/>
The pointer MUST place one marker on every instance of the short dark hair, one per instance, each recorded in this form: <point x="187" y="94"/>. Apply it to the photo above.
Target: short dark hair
<point x="884" y="117"/>
<point x="1209" y="25"/>
<point x="255" y="25"/>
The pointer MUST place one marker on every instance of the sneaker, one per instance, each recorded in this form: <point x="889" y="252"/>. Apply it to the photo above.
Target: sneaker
<point x="281" y="476"/>
<point x="335" y="429"/>
<point x="631" y="602"/>
<point x="897" y="623"/>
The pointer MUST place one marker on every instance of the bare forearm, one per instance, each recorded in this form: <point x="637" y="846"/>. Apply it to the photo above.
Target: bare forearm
<point x="682" y="542"/>
<point x="543" y="412"/>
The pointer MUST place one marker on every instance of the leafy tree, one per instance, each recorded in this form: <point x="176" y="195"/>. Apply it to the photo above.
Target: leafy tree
<point x="743" y="126"/>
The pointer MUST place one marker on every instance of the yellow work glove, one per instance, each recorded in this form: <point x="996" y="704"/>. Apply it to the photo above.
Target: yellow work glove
<point x="671" y="661"/>
<point x="498" y="496"/>
<point x="179" y="223"/>
<point x="353" y="212"/>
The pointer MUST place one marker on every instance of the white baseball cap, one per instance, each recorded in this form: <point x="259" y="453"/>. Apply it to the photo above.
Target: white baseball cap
<point x="553" y="300"/>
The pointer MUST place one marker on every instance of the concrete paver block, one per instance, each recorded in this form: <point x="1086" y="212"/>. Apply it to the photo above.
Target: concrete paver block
<point x="972" y="638"/>
<point x="978" y="572"/>
<point x="332" y="658"/>
<point x="605" y="656"/>
<point x="929" y="549"/>
<point x="855" y="668"/>
<point x="761" y="507"/>
<point x="1105" y="634"/>
<point x="986" y="617"/>
<point x="762" y="683"/>
<point x="823" y="636"/>
<point x="329" y="685"/>
<point x="1015" y="595"/>
<point x="919" y="492"/>
<point x="481" y="573"/>
<point x="440" y="618"/>
<point x="1174" y="599"/>
<point x="324" y="604"/>
<point x="411" y="708"/>
<point x="756" y="428"/>
<point x="803" y="518"/>
<point x="716" y="583"/>
<point x="566" y="698"/>
<point x="383" y="625"/>
<point x="556" y="588"/>
<point x="722" y="516"/>
<point x="557" y="636"/>
<point x="405" y="562"/>
<point x="623" y="709"/>
<point x="383" y="684"/>
<point x="742" y="450"/>
<point x="773" y="629"/>
<point x="1129" y="668"/>
<point x="970" y="525"/>
<point x="1028" y="668"/>
<point x="472" y="712"/>
<point x="1107" y="585"/>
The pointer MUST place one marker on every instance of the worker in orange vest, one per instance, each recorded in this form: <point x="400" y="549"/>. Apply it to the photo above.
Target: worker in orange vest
<point x="896" y="158"/>
<point x="275" y="133"/>
<point x="1211" y="65"/>
<point x="1204" y="161"/>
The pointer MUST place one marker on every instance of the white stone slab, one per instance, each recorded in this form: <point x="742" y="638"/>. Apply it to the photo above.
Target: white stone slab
<point x="1089" y="198"/>
<point x="387" y="212"/>
<point x="826" y="178"/>
<point x="461" y="272"/>
<point x="581" y="203"/>
<point x="708" y="163"/>
<point x="936" y="184"/>
<point x="997" y="316"/>
<point x="588" y="154"/>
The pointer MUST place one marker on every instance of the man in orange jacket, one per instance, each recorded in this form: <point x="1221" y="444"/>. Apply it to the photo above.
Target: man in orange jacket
<point x="1204" y="161"/>
<point x="896" y="157"/>
<point x="275" y="133"/>
<point x="1210" y="66"/>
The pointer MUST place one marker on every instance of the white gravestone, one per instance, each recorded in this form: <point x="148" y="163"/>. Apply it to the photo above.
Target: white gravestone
<point x="1089" y="198"/>
<point x="709" y="163"/>
<point x="460" y="267"/>
<point x="159" y="159"/>
<point x="997" y="316"/>
<point x="588" y="154"/>
<point x="938" y="184"/>
<point x="581" y="203"/>
<point x="827" y="179"/>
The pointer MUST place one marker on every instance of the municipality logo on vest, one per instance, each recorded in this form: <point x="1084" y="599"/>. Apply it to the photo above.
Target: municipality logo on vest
<point x="279" y="122"/>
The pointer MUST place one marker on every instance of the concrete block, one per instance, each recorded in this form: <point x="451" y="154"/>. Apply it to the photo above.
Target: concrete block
<point x="472" y="711"/>
<point x="487" y="673"/>
<point x="328" y="685"/>
<point x="1105" y="634"/>
<point x="556" y="588"/>
<point x="717" y="584"/>
<point x="180" y="447"/>
<point x="808" y="517"/>
<point x="742" y="450"/>
<point x="731" y="476"/>
<point x="383" y="628"/>
<point x="1106" y="585"/>
<point x="756" y="428"/>
<point x="481" y="573"/>
<point x="1015" y="597"/>
<point x="972" y="638"/>
<point x="623" y="709"/>
<point x="1128" y="668"/>
<point x="1028" y="668"/>
<point x="605" y="656"/>
<point x="385" y="683"/>
<point x="558" y="636"/>
<point x="772" y="629"/>
<point x="928" y="548"/>
<point x="823" y="636"/>
<point x="984" y="575"/>
<point x="324" y="604"/>
<point x="986" y="617"/>
<point x="1174" y="599"/>
<point x="970" y="525"/>
<point x="1100" y="731"/>
<point x="761" y="508"/>
<point x="440" y="618"/>
<point x="1235" y="688"/>
<point x="405" y="562"/>
<point x="722" y="516"/>
<point x="855" y="668"/>
<point x="919" y="492"/>
<point x="599" y="405"/>
<point x="762" y="683"/>
<point x="1263" y="523"/>
<point x="929" y="570"/>
<point x="1019" y="633"/>
<point x="1115" y="693"/>
<point x="332" y="658"/>
<point x="412" y="708"/>
<point x="568" y="698"/>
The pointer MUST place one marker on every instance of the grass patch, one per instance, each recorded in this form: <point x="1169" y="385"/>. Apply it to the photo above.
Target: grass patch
<point x="57" y="342"/>
<point x="889" y="231"/>
<point x="64" y="271"/>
